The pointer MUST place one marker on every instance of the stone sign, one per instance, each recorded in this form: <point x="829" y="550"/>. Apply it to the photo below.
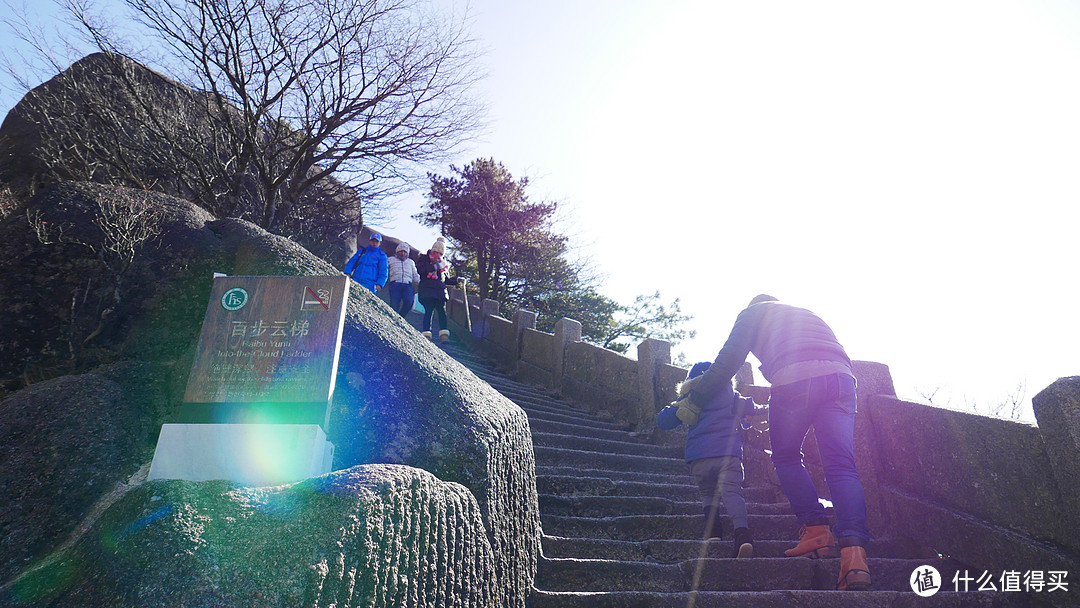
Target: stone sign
<point x="258" y="399"/>
<point x="268" y="351"/>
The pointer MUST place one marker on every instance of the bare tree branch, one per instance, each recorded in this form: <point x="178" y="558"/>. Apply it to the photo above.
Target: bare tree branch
<point x="279" y="96"/>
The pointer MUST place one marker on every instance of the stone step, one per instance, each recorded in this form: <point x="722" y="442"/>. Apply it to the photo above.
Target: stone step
<point x="559" y="457"/>
<point x="774" y="599"/>
<point x="572" y="419"/>
<point x="622" y="521"/>
<point x="669" y="551"/>
<point x="541" y="404"/>
<point x="534" y="394"/>
<point x="649" y="527"/>
<point x="569" y="428"/>
<point x="614" y="506"/>
<point x="538" y="405"/>
<point x="723" y="574"/>
<point x="593" y="444"/>
<point x="561" y="482"/>
<point x="685" y="478"/>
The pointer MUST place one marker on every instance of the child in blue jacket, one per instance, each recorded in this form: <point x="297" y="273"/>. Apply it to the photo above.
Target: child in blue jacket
<point x="368" y="265"/>
<point x="714" y="454"/>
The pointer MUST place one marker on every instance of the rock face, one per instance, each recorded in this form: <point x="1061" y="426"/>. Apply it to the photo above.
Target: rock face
<point x="399" y="400"/>
<point x="375" y="535"/>
<point x="404" y="401"/>
<point x="62" y="444"/>
<point x="91" y="123"/>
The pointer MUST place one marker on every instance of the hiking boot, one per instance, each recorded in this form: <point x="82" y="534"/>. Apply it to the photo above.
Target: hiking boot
<point x="426" y="334"/>
<point x="714" y="524"/>
<point x="854" y="573"/>
<point x="744" y="544"/>
<point x="444" y="335"/>
<point x="814" y="542"/>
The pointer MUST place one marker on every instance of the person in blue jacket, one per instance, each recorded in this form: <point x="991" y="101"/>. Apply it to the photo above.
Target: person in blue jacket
<point x="714" y="455"/>
<point x="368" y="265"/>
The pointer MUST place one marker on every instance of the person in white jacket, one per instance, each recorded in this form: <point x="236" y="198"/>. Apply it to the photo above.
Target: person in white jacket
<point x="403" y="279"/>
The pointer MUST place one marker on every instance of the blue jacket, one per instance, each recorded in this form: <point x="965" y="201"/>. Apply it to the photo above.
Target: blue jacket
<point x="368" y="267"/>
<point x="717" y="431"/>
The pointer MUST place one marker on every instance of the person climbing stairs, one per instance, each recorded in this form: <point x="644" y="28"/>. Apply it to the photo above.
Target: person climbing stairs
<point x="622" y="527"/>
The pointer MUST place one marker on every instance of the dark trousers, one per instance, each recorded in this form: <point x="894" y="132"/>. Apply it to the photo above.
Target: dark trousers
<point x="431" y="306"/>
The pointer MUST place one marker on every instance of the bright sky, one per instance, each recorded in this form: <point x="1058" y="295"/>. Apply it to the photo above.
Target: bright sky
<point x="906" y="170"/>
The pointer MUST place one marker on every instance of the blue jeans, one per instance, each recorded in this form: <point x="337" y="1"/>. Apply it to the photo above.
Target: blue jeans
<point x="401" y="297"/>
<point x="828" y="404"/>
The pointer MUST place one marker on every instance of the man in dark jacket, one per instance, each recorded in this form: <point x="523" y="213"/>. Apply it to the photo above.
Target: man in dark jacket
<point x="812" y="386"/>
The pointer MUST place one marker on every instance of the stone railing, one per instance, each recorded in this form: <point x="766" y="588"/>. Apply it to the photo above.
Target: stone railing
<point x="605" y="381"/>
<point x="998" y="495"/>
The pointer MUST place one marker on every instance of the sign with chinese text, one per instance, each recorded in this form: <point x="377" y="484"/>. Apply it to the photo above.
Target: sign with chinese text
<point x="268" y="351"/>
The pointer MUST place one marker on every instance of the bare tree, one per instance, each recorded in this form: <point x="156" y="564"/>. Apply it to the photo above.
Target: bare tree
<point x="283" y="94"/>
<point x="124" y="224"/>
<point x="1014" y="407"/>
<point x="929" y="394"/>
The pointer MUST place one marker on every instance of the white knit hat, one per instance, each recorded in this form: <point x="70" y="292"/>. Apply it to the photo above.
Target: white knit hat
<point x="403" y="246"/>
<point x="440" y="245"/>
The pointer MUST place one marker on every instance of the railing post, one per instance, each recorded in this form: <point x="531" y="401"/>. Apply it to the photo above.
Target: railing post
<point x="487" y="307"/>
<point x="523" y="319"/>
<point x="566" y="331"/>
<point x="873" y="379"/>
<point x="465" y="318"/>
<point x="651" y="354"/>
<point x="1057" y="410"/>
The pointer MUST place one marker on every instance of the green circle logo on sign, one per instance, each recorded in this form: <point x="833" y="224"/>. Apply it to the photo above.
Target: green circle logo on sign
<point x="234" y="299"/>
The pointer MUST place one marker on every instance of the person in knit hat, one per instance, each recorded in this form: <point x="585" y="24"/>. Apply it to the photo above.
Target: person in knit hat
<point x="714" y="455"/>
<point x="433" y="281"/>
<point x="403" y="279"/>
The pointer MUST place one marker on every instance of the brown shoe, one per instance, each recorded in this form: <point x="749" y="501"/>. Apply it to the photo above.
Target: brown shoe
<point x="854" y="573"/>
<point x="814" y="542"/>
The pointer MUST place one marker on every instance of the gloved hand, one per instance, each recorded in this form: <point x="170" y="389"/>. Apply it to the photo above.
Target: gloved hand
<point x="688" y="411"/>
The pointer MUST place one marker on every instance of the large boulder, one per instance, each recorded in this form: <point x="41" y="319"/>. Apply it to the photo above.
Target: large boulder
<point x="375" y="535"/>
<point x="399" y="399"/>
<point x="110" y="120"/>
<point x="65" y="442"/>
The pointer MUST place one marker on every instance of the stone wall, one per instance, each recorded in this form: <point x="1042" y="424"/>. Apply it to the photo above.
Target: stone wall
<point x="987" y="491"/>
<point x="627" y="389"/>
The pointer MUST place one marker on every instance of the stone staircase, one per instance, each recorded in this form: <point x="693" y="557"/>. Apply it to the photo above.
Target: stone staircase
<point x="622" y="526"/>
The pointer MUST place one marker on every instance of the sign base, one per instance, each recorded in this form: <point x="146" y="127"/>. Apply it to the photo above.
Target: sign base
<point x="248" y="454"/>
